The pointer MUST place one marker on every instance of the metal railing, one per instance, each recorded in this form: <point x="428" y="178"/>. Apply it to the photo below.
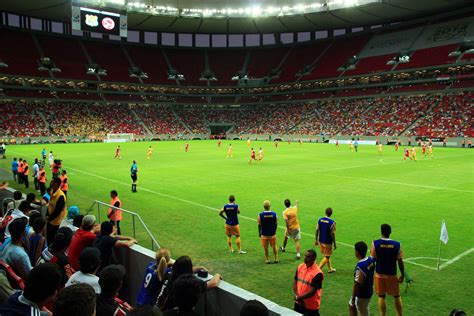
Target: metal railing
<point x="135" y="218"/>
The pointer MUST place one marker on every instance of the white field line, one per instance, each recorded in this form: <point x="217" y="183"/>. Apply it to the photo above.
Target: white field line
<point x="381" y="163"/>
<point x="253" y="219"/>
<point x="458" y="257"/>
<point x="399" y="183"/>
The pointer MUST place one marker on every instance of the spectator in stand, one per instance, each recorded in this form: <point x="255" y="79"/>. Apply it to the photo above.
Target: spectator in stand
<point x="154" y="276"/>
<point x="307" y="286"/>
<point x="182" y="265"/>
<point x="57" y="253"/>
<point x="75" y="300"/>
<point x="14" y="254"/>
<point x="89" y="260"/>
<point x="254" y="308"/>
<point x="110" y="281"/>
<point x="37" y="242"/>
<point x="56" y="209"/>
<point x="64" y="182"/>
<point x="186" y="291"/>
<point x="84" y="237"/>
<point x="72" y="213"/>
<point x="17" y="199"/>
<point x="41" y="286"/>
<point x="106" y="241"/>
<point x="15" y="169"/>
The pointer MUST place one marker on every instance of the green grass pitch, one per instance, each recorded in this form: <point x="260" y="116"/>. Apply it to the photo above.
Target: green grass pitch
<point x="179" y="194"/>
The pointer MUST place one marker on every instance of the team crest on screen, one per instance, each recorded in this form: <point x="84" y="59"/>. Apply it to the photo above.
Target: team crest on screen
<point x="92" y="20"/>
<point x="108" y="24"/>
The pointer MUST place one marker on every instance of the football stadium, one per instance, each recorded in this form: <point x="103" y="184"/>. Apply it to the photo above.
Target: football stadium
<point x="265" y="157"/>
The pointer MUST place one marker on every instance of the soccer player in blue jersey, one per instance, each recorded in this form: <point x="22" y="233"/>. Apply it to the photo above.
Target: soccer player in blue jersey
<point x="325" y="237"/>
<point x="387" y="253"/>
<point x="133" y="175"/>
<point x="363" y="281"/>
<point x="232" y="228"/>
<point x="154" y="275"/>
<point x="267" y="227"/>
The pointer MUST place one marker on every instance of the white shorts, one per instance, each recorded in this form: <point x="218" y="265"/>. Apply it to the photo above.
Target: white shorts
<point x="363" y="305"/>
<point x="294" y="234"/>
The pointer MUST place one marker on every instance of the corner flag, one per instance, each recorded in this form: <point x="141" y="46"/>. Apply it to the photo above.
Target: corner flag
<point x="444" y="233"/>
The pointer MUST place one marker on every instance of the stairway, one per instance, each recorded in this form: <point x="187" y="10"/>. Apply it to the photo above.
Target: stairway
<point x="141" y="122"/>
<point x="181" y="121"/>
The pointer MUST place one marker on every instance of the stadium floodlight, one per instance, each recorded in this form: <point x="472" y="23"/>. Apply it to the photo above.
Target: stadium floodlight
<point x="304" y="7"/>
<point x="3" y="64"/>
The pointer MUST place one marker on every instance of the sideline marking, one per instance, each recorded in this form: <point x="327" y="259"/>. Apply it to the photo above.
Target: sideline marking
<point x="444" y="265"/>
<point x="399" y="183"/>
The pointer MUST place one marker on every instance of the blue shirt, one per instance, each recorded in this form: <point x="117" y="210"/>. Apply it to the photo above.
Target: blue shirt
<point x="325" y="225"/>
<point x="268" y="221"/>
<point x="387" y="252"/>
<point x="134" y="169"/>
<point x="231" y="213"/>
<point x="43" y="153"/>
<point x="366" y="267"/>
<point x="151" y="286"/>
<point x="18" y="259"/>
<point x="15" y="165"/>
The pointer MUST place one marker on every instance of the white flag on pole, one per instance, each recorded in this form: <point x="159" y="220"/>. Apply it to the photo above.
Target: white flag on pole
<point x="444" y="233"/>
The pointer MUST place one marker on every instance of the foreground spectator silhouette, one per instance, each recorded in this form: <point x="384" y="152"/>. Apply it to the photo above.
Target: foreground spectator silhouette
<point x="75" y="300"/>
<point x="254" y="308"/>
<point x="41" y="286"/>
<point x="89" y="260"/>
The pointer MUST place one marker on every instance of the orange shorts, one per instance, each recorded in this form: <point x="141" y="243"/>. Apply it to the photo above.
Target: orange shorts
<point x="326" y="249"/>
<point x="387" y="284"/>
<point x="268" y="240"/>
<point x="232" y="230"/>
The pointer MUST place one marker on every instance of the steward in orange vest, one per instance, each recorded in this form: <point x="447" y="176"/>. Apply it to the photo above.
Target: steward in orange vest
<point x="114" y="215"/>
<point x="26" y="172"/>
<point x="20" y="170"/>
<point x="42" y="180"/>
<point x="307" y="286"/>
<point x="64" y="182"/>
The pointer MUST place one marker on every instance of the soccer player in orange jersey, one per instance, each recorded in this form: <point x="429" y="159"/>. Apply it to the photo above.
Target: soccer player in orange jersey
<point x="186" y="147"/>
<point x="293" y="231"/>
<point x="252" y="156"/>
<point x="117" y="153"/>
<point x="219" y="143"/>
<point x="406" y="155"/>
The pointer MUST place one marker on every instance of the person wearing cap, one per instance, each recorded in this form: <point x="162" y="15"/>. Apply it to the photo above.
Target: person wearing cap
<point x="267" y="226"/>
<point x="41" y="287"/>
<point x="84" y="237"/>
<point x="14" y="254"/>
<point x="105" y="242"/>
<point x="72" y="212"/>
<point x="89" y="260"/>
<point x="56" y="209"/>
<point x="110" y="281"/>
<point x="254" y="308"/>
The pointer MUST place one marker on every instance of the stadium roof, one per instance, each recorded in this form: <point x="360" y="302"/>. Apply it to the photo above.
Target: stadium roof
<point x="258" y="19"/>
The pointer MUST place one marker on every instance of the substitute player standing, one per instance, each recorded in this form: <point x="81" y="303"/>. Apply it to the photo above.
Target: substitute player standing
<point x="134" y="176"/>
<point x="267" y="227"/>
<point x="117" y="153"/>
<point x="293" y="231"/>
<point x="149" y="152"/>
<point x="363" y="281"/>
<point x="325" y="237"/>
<point x="387" y="253"/>
<point x="232" y="228"/>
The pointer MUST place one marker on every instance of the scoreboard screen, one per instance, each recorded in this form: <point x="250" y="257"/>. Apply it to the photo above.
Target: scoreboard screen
<point x="99" y="21"/>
